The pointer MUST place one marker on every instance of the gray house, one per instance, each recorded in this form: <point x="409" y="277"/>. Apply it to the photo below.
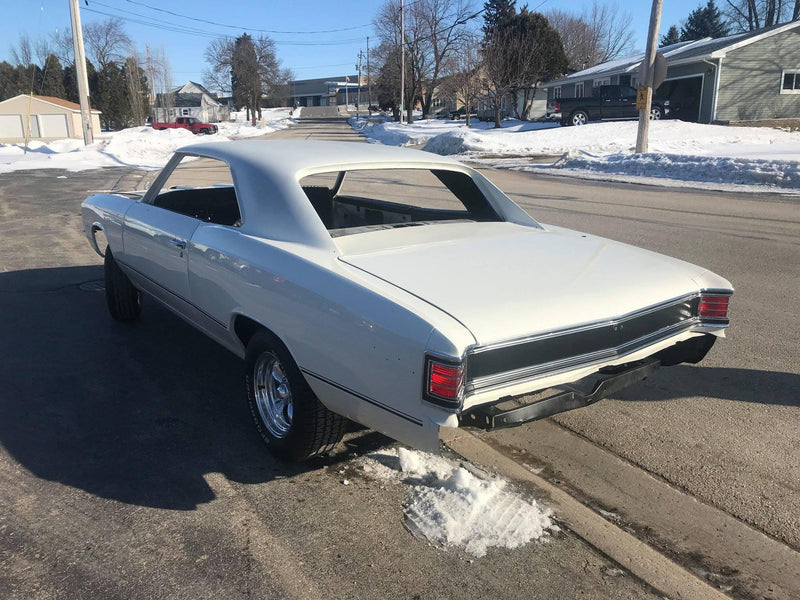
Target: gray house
<point x="754" y="75"/>
<point x="190" y="100"/>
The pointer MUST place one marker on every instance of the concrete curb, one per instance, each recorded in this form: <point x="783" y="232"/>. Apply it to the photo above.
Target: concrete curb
<point x="640" y="559"/>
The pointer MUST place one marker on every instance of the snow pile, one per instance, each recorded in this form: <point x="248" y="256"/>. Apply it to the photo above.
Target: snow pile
<point x="679" y="151"/>
<point x="142" y="147"/>
<point x="449" y="505"/>
<point x="739" y="171"/>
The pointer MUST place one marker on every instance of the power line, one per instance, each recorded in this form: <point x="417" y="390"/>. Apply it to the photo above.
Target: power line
<point x="142" y="20"/>
<point x="183" y="16"/>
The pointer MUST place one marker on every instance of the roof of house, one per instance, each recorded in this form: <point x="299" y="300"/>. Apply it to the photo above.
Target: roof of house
<point x="680" y="53"/>
<point x="54" y="100"/>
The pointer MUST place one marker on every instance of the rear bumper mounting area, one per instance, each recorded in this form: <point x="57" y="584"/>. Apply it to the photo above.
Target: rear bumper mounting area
<point x="518" y="410"/>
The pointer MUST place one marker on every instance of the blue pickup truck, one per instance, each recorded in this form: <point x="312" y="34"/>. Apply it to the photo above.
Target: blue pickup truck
<point x="607" y="102"/>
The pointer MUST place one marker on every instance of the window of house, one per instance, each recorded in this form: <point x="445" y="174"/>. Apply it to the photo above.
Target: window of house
<point x="579" y="90"/>
<point x="790" y="82"/>
<point x="185" y="112"/>
<point x="603" y="81"/>
<point x="557" y="92"/>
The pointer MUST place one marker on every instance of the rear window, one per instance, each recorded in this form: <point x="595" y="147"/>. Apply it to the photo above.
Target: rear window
<point x="358" y="201"/>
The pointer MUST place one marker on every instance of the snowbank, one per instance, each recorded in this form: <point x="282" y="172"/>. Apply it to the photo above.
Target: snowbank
<point x="450" y="505"/>
<point x="679" y="151"/>
<point x="141" y="147"/>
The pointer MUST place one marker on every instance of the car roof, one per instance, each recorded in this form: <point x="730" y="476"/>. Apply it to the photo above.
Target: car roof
<point x="295" y="156"/>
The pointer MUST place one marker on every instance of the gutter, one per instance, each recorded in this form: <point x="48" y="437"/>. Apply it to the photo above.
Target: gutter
<point x="717" y="69"/>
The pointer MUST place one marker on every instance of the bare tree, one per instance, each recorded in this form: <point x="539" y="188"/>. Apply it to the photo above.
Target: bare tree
<point x="22" y="52"/>
<point x="219" y="57"/>
<point x="61" y="43"/>
<point x="749" y="15"/>
<point x="137" y="88"/>
<point x="601" y="33"/>
<point x="106" y="42"/>
<point x="464" y="74"/>
<point x="433" y="28"/>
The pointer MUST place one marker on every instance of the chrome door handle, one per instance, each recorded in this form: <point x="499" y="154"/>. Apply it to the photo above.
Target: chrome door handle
<point x="178" y="243"/>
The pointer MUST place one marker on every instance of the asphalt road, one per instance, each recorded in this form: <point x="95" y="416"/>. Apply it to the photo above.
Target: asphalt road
<point x="129" y="468"/>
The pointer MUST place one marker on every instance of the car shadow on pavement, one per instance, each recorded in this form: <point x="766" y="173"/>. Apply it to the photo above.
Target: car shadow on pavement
<point x="739" y="385"/>
<point x="138" y="412"/>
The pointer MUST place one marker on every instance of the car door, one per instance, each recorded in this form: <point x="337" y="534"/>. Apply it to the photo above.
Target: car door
<point x="609" y="102"/>
<point x="155" y="242"/>
<point x="626" y="103"/>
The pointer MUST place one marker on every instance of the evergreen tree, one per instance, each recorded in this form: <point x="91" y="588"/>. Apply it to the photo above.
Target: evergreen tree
<point x="704" y="21"/>
<point x="245" y="80"/>
<point x="673" y="36"/>
<point x="52" y="81"/>
<point x="112" y="97"/>
<point x="71" y="82"/>
<point x="9" y="82"/>
<point x="496" y="13"/>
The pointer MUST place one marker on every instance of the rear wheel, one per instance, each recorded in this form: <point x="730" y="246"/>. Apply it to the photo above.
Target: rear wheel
<point x="579" y="118"/>
<point x="292" y="421"/>
<point x="656" y="113"/>
<point x="123" y="299"/>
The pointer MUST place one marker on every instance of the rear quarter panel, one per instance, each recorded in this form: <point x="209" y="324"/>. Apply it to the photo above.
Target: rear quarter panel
<point x="361" y="350"/>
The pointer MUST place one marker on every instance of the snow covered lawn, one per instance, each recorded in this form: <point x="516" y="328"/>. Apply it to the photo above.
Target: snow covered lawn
<point x="135" y="147"/>
<point x="712" y="155"/>
<point x="452" y="506"/>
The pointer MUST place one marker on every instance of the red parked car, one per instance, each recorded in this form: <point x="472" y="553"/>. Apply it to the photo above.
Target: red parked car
<point x="189" y="123"/>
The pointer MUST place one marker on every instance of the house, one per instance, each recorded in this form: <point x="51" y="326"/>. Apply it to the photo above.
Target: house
<point x="753" y="75"/>
<point x="325" y="91"/>
<point x="43" y="118"/>
<point x="190" y="100"/>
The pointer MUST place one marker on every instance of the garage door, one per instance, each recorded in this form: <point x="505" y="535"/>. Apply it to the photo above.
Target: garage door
<point x="53" y="126"/>
<point x="684" y="96"/>
<point x="11" y="126"/>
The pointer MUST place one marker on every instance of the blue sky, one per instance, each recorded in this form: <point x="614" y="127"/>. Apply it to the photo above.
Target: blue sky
<point x="307" y="54"/>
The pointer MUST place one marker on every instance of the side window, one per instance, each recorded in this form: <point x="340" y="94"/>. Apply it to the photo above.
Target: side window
<point x="201" y="188"/>
<point x="790" y="82"/>
<point x="627" y="91"/>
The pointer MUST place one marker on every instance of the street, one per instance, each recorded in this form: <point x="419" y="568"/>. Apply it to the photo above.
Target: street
<point x="130" y="469"/>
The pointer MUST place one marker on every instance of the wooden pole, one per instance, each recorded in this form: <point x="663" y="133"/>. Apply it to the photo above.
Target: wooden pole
<point x="402" y="58"/>
<point x="647" y="79"/>
<point x="80" y="71"/>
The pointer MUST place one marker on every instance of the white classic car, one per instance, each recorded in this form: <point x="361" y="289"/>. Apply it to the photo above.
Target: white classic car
<point x="393" y="287"/>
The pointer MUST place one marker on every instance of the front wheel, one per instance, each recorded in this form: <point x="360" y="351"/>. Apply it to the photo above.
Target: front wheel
<point x="579" y="118"/>
<point x="656" y="113"/>
<point x="291" y="420"/>
<point x="123" y="299"/>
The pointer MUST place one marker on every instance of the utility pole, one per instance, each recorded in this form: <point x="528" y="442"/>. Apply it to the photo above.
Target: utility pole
<point x="647" y="83"/>
<point x="358" y="97"/>
<point x="402" y="57"/>
<point x="80" y="68"/>
<point x="369" y="82"/>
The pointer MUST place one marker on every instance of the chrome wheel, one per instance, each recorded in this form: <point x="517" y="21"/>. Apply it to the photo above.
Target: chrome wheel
<point x="655" y="114"/>
<point x="273" y="395"/>
<point x="579" y="118"/>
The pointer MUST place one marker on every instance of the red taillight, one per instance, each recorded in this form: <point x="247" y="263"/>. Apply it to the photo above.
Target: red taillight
<point x="558" y="106"/>
<point x="444" y="383"/>
<point x="713" y="306"/>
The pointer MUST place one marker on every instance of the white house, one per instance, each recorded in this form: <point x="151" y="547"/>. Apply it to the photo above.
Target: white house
<point x="190" y="100"/>
<point x="42" y="118"/>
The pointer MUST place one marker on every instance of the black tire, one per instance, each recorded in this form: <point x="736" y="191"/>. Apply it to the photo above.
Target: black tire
<point x="656" y="113"/>
<point x="579" y="117"/>
<point x="310" y="428"/>
<point x="123" y="299"/>
<point x="203" y="132"/>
